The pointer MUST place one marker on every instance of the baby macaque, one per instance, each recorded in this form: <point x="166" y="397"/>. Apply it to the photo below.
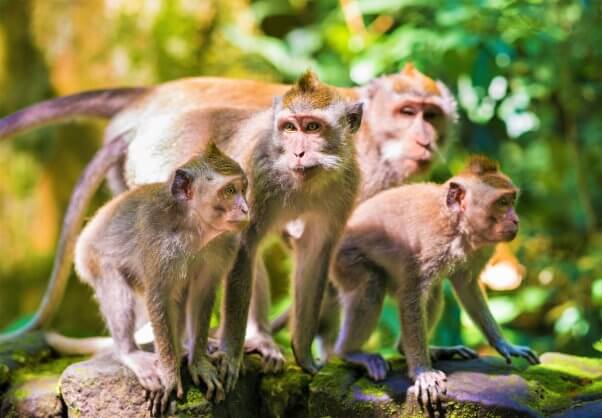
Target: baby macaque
<point x="404" y="241"/>
<point x="160" y="250"/>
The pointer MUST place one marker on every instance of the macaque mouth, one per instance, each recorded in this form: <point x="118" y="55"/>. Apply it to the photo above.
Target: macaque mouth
<point x="305" y="172"/>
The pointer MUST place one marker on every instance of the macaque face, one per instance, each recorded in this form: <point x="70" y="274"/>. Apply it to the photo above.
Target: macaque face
<point x="407" y="130"/>
<point x="303" y="140"/>
<point x="310" y="141"/>
<point x="221" y="202"/>
<point x="503" y="216"/>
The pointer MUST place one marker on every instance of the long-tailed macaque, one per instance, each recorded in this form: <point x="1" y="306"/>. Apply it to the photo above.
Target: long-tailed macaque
<point x="406" y="116"/>
<point x="160" y="250"/>
<point x="403" y="241"/>
<point x="300" y="158"/>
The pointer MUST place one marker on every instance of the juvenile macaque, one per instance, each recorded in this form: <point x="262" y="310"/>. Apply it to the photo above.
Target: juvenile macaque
<point x="406" y="116"/>
<point x="160" y="250"/>
<point x="403" y="241"/>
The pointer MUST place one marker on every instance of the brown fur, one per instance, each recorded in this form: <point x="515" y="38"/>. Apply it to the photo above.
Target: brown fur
<point x="404" y="241"/>
<point x="155" y="246"/>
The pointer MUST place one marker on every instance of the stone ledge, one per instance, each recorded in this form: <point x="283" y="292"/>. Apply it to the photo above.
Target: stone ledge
<point x="562" y="386"/>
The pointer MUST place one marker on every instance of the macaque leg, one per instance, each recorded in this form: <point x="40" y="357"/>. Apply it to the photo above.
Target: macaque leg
<point x="434" y="308"/>
<point x="473" y="300"/>
<point x="199" y="305"/>
<point x="117" y="303"/>
<point x="430" y="385"/>
<point x="330" y="322"/>
<point x="163" y="313"/>
<point x="361" y="310"/>
<point x="312" y="258"/>
<point x="258" y="337"/>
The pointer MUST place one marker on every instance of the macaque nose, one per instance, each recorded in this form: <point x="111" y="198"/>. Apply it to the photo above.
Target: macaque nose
<point x="299" y="154"/>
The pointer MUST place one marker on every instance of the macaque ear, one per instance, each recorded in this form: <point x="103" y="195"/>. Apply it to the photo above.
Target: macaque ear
<point x="455" y="195"/>
<point x="181" y="187"/>
<point x="354" y="116"/>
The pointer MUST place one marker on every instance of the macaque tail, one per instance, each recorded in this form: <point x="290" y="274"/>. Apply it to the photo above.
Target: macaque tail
<point x="97" y="103"/>
<point x="88" y="183"/>
<point x="281" y="321"/>
<point x="77" y="346"/>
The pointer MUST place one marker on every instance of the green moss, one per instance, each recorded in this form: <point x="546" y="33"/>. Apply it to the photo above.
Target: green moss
<point x="46" y="369"/>
<point x="554" y="386"/>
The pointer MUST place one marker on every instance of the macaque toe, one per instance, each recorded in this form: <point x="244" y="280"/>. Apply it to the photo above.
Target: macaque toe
<point x="203" y="369"/>
<point x="430" y="388"/>
<point x="449" y="353"/>
<point x="228" y="369"/>
<point x="272" y="359"/>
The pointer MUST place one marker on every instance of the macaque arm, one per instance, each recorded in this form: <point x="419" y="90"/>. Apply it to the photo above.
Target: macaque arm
<point x="412" y="313"/>
<point x="313" y="254"/>
<point x="164" y="318"/>
<point x="235" y="307"/>
<point x="473" y="300"/>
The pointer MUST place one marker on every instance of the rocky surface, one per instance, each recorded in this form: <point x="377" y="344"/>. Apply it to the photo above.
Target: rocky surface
<point x="562" y="386"/>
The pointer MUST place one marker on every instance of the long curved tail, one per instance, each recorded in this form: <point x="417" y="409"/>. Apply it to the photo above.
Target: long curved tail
<point x="95" y="103"/>
<point x="88" y="183"/>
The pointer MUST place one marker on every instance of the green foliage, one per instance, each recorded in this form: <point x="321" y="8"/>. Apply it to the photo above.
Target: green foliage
<point x="527" y="78"/>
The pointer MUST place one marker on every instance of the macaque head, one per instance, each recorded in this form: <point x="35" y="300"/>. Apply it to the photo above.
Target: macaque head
<point x="483" y="199"/>
<point x="408" y="116"/>
<point x="313" y="128"/>
<point x="212" y="186"/>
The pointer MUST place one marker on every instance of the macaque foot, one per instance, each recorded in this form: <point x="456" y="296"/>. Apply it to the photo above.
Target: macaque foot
<point x="203" y="369"/>
<point x="430" y="387"/>
<point x="170" y="381"/>
<point x="449" y="353"/>
<point x="146" y="368"/>
<point x="228" y="369"/>
<point x="272" y="360"/>
<point x="376" y="366"/>
<point x="508" y="351"/>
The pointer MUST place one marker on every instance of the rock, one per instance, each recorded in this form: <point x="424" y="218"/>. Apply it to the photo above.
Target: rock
<point x="34" y="390"/>
<point x="38" y="397"/>
<point x="563" y="386"/>
<point x="103" y="387"/>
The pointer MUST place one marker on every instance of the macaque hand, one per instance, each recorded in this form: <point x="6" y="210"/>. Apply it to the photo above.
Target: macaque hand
<point x="202" y="368"/>
<point x="170" y="381"/>
<point x="430" y="387"/>
<point x="307" y="363"/>
<point x="229" y="367"/>
<point x="508" y="351"/>
<point x="272" y="360"/>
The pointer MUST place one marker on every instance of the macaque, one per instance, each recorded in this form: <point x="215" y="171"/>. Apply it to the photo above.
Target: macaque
<point x="406" y="118"/>
<point x="300" y="158"/>
<point x="403" y="241"/>
<point x="160" y="250"/>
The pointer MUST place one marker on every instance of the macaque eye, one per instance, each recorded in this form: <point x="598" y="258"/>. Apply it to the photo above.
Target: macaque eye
<point x="431" y="114"/>
<point x="407" y="111"/>
<point x="290" y="127"/>
<point x="312" y="126"/>
<point x="503" y="202"/>
<point x="230" y="190"/>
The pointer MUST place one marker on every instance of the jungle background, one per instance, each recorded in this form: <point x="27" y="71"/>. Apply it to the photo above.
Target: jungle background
<point x="527" y="75"/>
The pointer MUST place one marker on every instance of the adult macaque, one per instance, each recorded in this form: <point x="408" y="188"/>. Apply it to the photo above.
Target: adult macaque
<point x="404" y="241"/>
<point x="406" y="116"/>
<point x="162" y="249"/>
<point x="301" y="162"/>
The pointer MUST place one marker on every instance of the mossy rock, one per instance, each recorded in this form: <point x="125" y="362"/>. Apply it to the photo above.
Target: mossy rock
<point x="27" y="350"/>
